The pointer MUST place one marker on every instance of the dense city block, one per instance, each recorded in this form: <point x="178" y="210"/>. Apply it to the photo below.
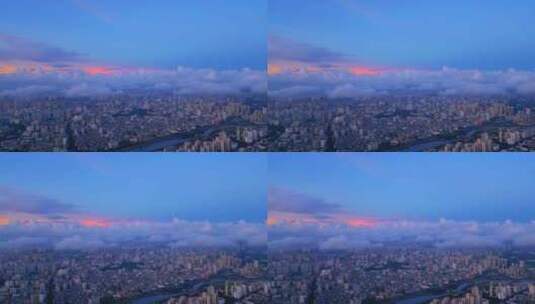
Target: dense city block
<point x="133" y="122"/>
<point x="137" y="275"/>
<point x="403" y="123"/>
<point x="406" y="275"/>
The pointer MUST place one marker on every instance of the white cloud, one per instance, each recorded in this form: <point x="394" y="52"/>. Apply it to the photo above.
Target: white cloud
<point x="68" y="234"/>
<point x="181" y="81"/>
<point x="446" y="81"/>
<point x="442" y="233"/>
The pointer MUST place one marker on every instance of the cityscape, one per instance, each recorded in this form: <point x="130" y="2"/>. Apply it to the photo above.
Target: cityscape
<point x="133" y="275"/>
<point x="276" y="84"/>
<point x="403" y="275"/>
<point x="267" y="152"/>
<point x="266" y="228"/>
<point x="134" y="123"/>
<point x="404" y="123"/>
<point x="412" y="77"/>
<point x="336" y="236"/>
<point x="148" y="242"/>
<point x="133" y="78"/>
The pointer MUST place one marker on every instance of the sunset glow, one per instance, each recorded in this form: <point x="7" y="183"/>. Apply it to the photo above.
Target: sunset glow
<point x="7" y="69"/>
<point x="360" y="222"/>
<point x="364" y="71"/>
<point x="4" y="220"/>
<point x="98" y="70"/>
<point x="290" y="218"/>
<point x="95" y="223"/>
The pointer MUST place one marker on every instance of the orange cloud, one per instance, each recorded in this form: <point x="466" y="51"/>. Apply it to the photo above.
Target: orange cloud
<point x="7" y="69"/>
<point x="98" y="70"/>
<point x="360" y="222"/>
<point x="271" y="221"/>
<point x="95" y="223"/>
<point x="279" y="67"/>
<point x="364" y="71"/>
<point x="4" y="220"/>
<point x="291" y="218"/>
<point x="274" y="69"/>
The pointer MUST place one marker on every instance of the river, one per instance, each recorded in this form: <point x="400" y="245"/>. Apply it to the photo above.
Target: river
<point x="424" y="298"/>
<point x="152" y="299"/>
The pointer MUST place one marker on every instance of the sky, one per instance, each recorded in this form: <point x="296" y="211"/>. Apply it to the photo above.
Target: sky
<point x="162" y="33"/>
<point x="99" y="199"/>
<point x="51" y="47"/>
<point x="372" y="46"/>
<point x="365" y="199"/>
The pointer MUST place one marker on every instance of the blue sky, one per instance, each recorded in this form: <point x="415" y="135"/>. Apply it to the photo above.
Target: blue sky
<point x="214" y="34"/>
<point x="414" y="186"/>
<point x="474" y="34"/>
<point x="212" y="187"/>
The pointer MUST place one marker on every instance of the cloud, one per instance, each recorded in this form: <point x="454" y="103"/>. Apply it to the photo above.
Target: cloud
<point x="297" y="220"/>
<point x="300" y="70"/>
<point x="31" y="220"/>
<point x="287" y="56"/>
<point x="18" y="48"/>
<point x="287" y="206"/>
<point x="441" y="234"/>
<point x="288" y="50"/>
<point x="86" y="90"/>
<point x="30" y="69"/>
<point x="348" y="91"/>
<point x="343" y="242"/>
<point x="446" y="81"/>
<point x="13" y="200"/>
<point x="77" y="82"/>
<point x="81" y="232"/>
<point x="79" y="242"/>
<point x="285" y="200"/>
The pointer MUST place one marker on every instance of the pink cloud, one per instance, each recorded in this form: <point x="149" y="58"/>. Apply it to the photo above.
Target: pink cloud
<point x="98" y="70"/>
<point x="8" y="69"/>
<point x="95" y="223"/>
<point x="292" y="218"/>
<point x="4" y="220"/>
<point x="364" y="71"/>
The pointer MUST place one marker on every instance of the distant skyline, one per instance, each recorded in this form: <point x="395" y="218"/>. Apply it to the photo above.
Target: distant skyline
<point x="349" y="200"/>
<point x="355" y="48"/>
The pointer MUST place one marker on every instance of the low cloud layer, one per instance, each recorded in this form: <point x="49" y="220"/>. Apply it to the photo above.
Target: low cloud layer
<point x="446" y="81"/>
<point x="28" y="232"/>
<point x="441" y="234"/>
<point x="182" y="81"/>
